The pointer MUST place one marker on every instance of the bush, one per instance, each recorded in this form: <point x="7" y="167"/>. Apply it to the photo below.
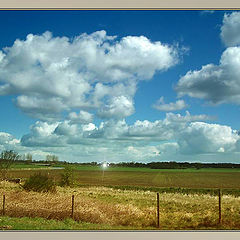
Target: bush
<point x="39" y="183"/>
<point x="67" y="177"/>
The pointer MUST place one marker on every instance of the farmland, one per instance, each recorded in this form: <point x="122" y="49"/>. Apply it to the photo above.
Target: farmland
<point x="124" y="198"/>
<point x="145" y="177"/>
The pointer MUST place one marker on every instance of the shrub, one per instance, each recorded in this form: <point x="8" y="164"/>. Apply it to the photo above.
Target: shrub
<point x="39" y="183"/>
<point x="67" y="177"/>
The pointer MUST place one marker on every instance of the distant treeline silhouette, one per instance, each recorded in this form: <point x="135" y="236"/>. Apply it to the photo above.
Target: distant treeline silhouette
<point x="176" y="165"/>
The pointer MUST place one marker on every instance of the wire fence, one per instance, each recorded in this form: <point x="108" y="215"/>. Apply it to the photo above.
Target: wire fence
<point x="73" y="207"/>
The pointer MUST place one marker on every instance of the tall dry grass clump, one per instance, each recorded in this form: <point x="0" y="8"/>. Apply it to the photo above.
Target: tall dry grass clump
<point x="115" y="207"/>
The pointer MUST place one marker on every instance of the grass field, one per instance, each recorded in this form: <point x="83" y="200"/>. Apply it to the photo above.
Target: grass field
<point x="109" y="208"/>
<point x="26" y="223"/>
<point x="163" y="178"/>
<point x="122" y="169"/>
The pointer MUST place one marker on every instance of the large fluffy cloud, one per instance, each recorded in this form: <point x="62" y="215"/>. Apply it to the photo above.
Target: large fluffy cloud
<point x="218" y="83"/>
<point x="7" y="140"/>
<point x="200" y="137"/>
<point x="215" y="83"/>
<point x="66" y="132"/>
<point x="230" y="29"/>
<point x="52" y="74"/>
<point x="177" y="137"/>
<point x="42" y="134"/>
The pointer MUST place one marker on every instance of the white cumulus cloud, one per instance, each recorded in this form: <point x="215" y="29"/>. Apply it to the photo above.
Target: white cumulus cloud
<point x="42" y="134"/>
<point x="171" y="138"/>
<point x="230" y="34"/>
<point x="215" y="83"/>
<point x="169" y="107"/>
<point x="81" y="117"/>
<point x="65" y="133"/>
<point x="200" y="137"/>
<point x="218" y="83"/>
<point x="118" y="107"/>
<point x="49" y="75"/>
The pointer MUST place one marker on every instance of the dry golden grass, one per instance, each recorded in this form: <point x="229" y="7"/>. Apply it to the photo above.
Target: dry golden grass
<point x="103" y="205"/>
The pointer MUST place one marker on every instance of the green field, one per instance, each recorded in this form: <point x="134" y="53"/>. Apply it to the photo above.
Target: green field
<point x="142" y="177"/>
<point x="26" y="223"/>
<point x="27" y="166"/>
<point x="117" y="168"/>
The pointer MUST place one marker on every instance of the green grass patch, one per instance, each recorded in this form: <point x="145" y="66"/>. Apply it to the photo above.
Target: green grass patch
<point x="143" y="177"/>
<point x="119" y="169"/>
<point x="26" y="223"/>
<point x="26" y="166"/>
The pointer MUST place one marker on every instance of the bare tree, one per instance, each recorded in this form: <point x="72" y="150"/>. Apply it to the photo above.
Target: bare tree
<point x="7" y="158"/>
<point x="52" y="158"/>
<point x="26" y="157"/>
<point x="23" y="157"/>
<point x="29" y="157"/>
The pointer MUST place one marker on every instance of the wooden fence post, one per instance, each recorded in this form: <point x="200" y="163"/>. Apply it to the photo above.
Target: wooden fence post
<point x="158" y="223"/>
<point x="72" y="213"/>
<point x="220" y="206"/>
<point x="4" y="200"/>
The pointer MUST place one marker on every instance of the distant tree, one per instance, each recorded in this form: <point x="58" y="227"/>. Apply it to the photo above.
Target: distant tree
<point x="7" y="158"/>
<point x="52" y="158"/>
<point x="29" y="157"/>
<point x="23" y="157"/>
<point x="93" y="163"/>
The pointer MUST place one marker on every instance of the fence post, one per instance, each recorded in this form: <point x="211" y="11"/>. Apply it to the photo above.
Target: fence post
<point x="158" y="223"/>
<point x="72" y="216"/>
<point x="220" y="206"/>
<point x="4" y="200"/>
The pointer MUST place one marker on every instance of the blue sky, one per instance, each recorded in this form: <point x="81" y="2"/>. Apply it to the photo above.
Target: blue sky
<point x="130" y="85"/>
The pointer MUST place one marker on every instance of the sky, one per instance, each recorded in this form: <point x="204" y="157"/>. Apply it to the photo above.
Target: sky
<point x="121" y="86"/>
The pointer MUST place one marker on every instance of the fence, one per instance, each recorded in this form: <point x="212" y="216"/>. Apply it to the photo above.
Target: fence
<point x="158" y="208"/>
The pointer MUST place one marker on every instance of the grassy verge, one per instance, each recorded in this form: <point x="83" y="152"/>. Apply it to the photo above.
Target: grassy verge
<point x="26" y="223"/>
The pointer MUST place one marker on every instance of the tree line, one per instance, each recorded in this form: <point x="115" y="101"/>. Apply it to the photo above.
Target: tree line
<point x="175" y="165"/>
<point x="162" y="165"/>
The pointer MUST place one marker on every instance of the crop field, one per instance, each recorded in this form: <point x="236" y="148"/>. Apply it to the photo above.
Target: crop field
<point x="145" y="177"/>
<point x="109" y="208"/>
